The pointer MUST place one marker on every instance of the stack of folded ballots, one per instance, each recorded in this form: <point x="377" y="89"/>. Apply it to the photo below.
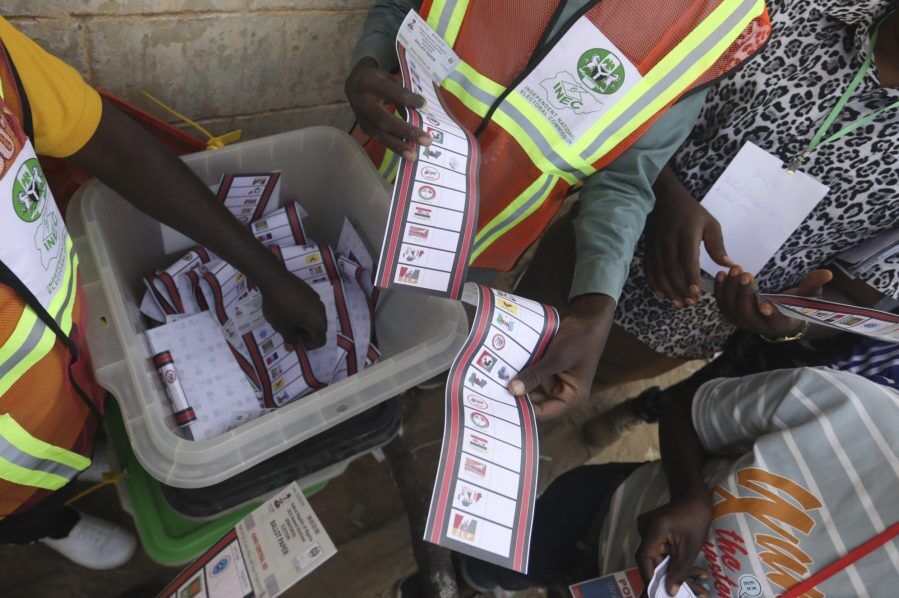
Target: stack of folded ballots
<point x="200" y="281"/>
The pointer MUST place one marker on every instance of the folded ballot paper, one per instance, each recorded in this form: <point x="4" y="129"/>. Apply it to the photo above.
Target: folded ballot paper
<point x="201" y="283"/>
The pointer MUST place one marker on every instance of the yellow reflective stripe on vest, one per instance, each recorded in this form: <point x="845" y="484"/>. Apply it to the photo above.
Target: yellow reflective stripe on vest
<point x="670" y="77"/>
<point x="518" y="210"/>
<point x="445" y="17"/>
<point x="32" y="339"/>
<point x="473" y="89"/>
<point x="30" y="461"/>
<point x="532" y="135"/>
<point x="390" y="164"/>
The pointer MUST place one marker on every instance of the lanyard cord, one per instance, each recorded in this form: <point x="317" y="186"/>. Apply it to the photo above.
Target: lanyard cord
<point x="818" y="140"/>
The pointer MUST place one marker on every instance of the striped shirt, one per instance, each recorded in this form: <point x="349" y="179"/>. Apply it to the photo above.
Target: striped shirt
<point x="875" y="360"/>
<point x="805" y="469"/>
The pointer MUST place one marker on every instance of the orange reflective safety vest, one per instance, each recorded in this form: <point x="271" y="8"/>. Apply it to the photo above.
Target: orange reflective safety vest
<point x="49" y="399"/>
<point x="549" y="113"/>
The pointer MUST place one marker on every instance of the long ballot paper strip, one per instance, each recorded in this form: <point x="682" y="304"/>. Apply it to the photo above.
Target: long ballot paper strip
<point x="484" y="495"/>
<point x="265" y="554"/>
<point x="881" y="325"/>
<point x="434" y="208"/>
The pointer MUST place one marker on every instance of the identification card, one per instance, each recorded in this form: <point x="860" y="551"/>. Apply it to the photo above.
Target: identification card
<point x="426" y="45"/>
<point x="269" y="551"/>
<point x="486" y="486"/>
<point x="758" y="204"/>
<point x="579" y="81"/>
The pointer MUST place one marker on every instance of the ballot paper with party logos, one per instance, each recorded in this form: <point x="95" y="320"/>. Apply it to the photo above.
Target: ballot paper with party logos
<point x="880" y="325"/>
<point x="484" y="494"/>
<point x="434" y="208"/>
<point x="266" y="553"/>
<point x="248" y="196"/>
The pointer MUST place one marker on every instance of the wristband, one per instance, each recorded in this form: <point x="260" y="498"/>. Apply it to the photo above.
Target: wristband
<point x="803" y="330"/>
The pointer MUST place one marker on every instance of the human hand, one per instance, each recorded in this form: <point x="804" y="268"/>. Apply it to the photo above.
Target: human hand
<point x="369" y="90"/>
<point x="674" y="230"/>
<point x="293" y="309"/>
<point x="678" y="529"/>
<point x="736" y="294"/>
<point x="561" y="380"/>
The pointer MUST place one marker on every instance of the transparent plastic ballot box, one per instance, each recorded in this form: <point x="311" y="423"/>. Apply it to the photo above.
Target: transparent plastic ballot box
<point x="332" y="178"/>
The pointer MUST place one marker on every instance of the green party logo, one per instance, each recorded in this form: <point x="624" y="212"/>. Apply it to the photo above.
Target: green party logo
<point x="601" y="71"/>
<point x="29" y="191"/>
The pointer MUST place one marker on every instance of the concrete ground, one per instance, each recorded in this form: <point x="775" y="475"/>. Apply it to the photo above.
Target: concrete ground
<point x="361" y="510"/>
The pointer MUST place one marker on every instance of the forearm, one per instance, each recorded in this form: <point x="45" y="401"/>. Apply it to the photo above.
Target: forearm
<point x="133" y="164"/>
<point x="682" y="452"/>
<point x="614" y="203"/>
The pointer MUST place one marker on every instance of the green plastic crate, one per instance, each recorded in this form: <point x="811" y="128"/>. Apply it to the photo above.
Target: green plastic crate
<point x="167" y="537"/>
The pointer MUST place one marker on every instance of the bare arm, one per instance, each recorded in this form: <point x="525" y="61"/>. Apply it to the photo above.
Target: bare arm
<point x="132" y="163"/>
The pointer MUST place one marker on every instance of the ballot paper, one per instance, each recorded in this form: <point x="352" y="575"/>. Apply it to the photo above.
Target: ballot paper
<point x="758" y="205"/>
<point x="880" y="325"/>
<point x="266" y="553"/>
<point x="284" y="226"/>
<point x="248" y="196"/>
<point x="484" y="494"/>
<point x="629" y="584"/>
<point x="434" y="208"/>
<point x="214" y="384"/>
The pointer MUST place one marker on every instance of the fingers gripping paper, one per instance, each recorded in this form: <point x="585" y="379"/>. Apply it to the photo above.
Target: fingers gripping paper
<point x="483" y="501"/>
<point x="434" y="207"/>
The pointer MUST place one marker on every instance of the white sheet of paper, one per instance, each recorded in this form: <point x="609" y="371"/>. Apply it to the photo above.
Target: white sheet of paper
<point x="759" y="205"/>
<point x="215" y="385"/>
<point x="266" y="553"/>
<point x="427" y="46"/>
<point x="656" y="588"/>
<point x="285" y="542"/>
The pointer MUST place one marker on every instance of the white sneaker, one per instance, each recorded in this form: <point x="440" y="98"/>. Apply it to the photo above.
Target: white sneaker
<point x="95" y="543"/>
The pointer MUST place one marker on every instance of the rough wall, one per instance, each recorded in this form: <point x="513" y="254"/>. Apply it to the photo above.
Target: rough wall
<point x="261" y="65"/>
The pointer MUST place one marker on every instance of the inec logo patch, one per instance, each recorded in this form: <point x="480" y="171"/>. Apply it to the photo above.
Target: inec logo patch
<point x="29" y="192"/>
<point x="601" y="71"/>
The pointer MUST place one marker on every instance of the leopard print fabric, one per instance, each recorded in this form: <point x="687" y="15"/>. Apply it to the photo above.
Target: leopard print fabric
<point x="778" y="101"/>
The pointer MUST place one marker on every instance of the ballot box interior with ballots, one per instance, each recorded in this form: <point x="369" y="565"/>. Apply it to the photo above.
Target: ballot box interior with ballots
<point x="418" y="336"/>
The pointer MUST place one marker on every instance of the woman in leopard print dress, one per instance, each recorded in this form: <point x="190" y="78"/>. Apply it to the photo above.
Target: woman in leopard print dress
<point x="778" y="101"/>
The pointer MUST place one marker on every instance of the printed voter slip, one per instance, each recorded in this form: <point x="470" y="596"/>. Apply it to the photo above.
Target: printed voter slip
<point x="484" y="494"/>
<point x="628" y="584"/>
<point x="880" y="325"/>
<point x="434" y="207"/>
<point x="758" y="204"/>
<point x="265" y="554"/>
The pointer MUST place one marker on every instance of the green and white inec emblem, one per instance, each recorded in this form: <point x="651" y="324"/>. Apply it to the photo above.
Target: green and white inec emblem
<point x="601" y="71"/>
<point x="29" y="191"/>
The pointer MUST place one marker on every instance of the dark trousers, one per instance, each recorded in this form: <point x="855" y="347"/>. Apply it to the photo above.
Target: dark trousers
<point x="51" y="518"/>
<point x="566" y="525"/>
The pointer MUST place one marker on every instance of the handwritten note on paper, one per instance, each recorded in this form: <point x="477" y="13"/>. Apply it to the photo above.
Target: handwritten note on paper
<point x="759" y="205"/>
